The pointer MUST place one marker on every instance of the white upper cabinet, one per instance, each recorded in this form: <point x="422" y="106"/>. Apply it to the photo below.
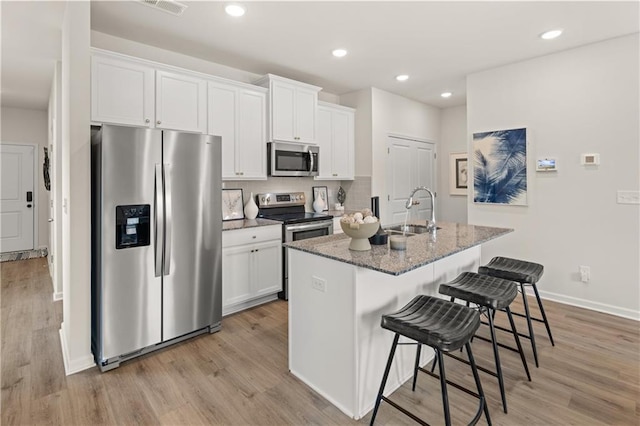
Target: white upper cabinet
<point x="139" y="93"/>
<point x="122" y="92"/>
<point x="181" y="102"/>
<point x="336" y="141"/>
<point x="293" y="109"/>
<point x="238" y="114"/>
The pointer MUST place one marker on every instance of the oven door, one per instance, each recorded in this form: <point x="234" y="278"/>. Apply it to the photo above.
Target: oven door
<point x="292" y="160"/>
<point x="300" y="231"/>
<point x="303" y="231"/>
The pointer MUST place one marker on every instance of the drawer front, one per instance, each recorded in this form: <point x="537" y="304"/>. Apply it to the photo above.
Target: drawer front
<point x="251" y="235"/>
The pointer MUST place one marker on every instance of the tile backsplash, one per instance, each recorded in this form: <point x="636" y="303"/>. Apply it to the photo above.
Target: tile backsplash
<point x="358" y="191"/>
<point x="287" y="184"/>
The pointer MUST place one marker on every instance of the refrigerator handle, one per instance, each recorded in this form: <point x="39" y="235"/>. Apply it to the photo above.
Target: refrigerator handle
<point x="159" y="220"/>
<point x="167" y="206"/>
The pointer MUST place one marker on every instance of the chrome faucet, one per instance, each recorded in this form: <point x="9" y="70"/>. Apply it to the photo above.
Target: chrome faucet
<point x="431" y="224"/>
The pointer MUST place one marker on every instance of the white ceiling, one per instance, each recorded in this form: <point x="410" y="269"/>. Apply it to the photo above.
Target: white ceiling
<point x="436" y="43"/>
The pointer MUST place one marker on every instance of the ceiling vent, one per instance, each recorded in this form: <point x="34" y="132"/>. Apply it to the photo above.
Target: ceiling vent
<point x="169" y="6"/>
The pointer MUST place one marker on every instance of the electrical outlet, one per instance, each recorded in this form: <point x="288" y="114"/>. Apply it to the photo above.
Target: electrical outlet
<point x="319" y="284"/>
<point x="628" y="197"/>
<point x="585" y="273"/>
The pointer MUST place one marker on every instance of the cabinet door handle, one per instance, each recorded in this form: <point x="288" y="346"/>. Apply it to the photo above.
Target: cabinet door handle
<point x="147" y="121"/>
<point x="158" y="122"/>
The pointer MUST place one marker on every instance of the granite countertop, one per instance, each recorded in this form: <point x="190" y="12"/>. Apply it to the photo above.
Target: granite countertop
<point x="422" y="249"/>
<point x="248" y="223"/>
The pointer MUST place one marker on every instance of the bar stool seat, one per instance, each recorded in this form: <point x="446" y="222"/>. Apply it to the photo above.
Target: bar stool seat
<point x="481" y="290"/>
<point x="526" y="274"/>
<point x="434" y="322"/>
<point x="445" y="327"/>
<point x="490" y="294"/>
<point x="513" y="270"/>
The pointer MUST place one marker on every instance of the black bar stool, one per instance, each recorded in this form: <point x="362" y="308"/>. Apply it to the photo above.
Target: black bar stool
<point x="445" y="327"/>
<point x="489" y="294"/>
<point x="527" y="274"/>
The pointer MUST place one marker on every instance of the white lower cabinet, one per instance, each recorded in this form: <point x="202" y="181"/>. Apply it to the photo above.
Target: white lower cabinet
<point x="251" y="267"/>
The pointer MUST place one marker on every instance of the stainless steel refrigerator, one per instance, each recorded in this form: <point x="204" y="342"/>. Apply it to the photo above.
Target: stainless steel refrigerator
<point x="156" y="240"/>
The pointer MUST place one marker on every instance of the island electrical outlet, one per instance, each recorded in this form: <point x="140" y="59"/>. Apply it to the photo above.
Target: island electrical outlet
<point x="319" y="284"/>
<point x="585" y="273"/>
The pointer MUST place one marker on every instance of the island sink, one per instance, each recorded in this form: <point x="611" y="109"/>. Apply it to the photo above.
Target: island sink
<point x="408" y="229"/>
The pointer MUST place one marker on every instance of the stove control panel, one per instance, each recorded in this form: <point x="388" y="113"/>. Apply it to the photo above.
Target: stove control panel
<point x="281" y="199"/>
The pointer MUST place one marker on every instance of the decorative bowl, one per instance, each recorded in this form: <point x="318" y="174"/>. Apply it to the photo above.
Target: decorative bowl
<point x="360" y="235"/>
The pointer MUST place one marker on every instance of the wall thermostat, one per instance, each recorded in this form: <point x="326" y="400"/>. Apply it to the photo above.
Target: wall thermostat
<point x="590" y="159"/>
<point x="546" y="165"/>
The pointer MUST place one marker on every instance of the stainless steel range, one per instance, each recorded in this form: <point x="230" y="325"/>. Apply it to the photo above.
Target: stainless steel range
<point x="297" y="223"/>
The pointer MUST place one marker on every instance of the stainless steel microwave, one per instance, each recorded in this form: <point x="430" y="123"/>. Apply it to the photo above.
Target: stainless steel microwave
<point x="290" y="159"/>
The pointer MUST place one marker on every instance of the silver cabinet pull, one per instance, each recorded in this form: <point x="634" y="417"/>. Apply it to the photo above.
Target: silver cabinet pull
<point x="147" y="121"/>
<point x="158" y="122"/>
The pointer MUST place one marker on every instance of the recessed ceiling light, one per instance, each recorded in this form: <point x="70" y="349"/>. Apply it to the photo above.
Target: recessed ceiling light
<point x="446" y="94"/>
<point x="402" y="77"/>
<point x="339" y="53"/>
<point x="550" y="35"/>
<point x="235" y="10"/>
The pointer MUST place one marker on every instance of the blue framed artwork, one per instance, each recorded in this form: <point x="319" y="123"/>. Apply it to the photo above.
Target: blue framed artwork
<point x="500" y="167"/>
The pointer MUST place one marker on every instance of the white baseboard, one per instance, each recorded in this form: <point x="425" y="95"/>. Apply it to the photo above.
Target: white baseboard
<point x="57" y="296"/>
<point x="231" y="309"/>
<point x="75" y="365"/>
<point x="588" y="304"/>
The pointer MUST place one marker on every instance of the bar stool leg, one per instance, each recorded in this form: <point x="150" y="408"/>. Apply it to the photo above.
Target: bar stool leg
<point x="517" y="338"/>
<point x="544" y="316"/>
<point x="476" y="377"/>
<point x="532" y="336"/>
<point x="497" y="359"/>
<point x="384" y="378"/>
<point x="443" y="385"/>
<point x="415" y="368"/>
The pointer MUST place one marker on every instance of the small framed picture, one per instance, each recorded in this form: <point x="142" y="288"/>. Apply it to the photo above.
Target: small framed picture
<point x="321" y="192"/>
<point x="232" y="204"/>
<point x="458" y="173"/>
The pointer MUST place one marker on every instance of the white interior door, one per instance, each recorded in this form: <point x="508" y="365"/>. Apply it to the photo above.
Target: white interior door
<point x="16" y="189"/>
<point x="411" y="164"/>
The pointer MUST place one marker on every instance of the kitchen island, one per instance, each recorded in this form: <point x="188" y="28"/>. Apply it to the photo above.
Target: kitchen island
<point x="337" y="297"/>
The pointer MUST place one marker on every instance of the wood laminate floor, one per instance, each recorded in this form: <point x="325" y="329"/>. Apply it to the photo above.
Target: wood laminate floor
<point x="239" y="376"/>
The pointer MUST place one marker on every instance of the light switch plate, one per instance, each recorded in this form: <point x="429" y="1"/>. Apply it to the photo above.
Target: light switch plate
<point x="628" y="197"/>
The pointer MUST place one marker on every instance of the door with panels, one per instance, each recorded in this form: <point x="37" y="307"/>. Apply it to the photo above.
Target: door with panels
<point x="411" y="163"/>
<point x="17" y="197"/>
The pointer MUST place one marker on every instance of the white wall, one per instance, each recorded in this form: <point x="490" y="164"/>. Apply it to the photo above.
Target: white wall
<point x="378" y="114"/>
<point x="453" y="138"/>
<point x="29" y="126"/>
<point x="55" y="174"/>
<point x="584" y="100"/>
<point x="361" y="101"/>
<point x="152" y="53"/>
<point x="75" y="330"/>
